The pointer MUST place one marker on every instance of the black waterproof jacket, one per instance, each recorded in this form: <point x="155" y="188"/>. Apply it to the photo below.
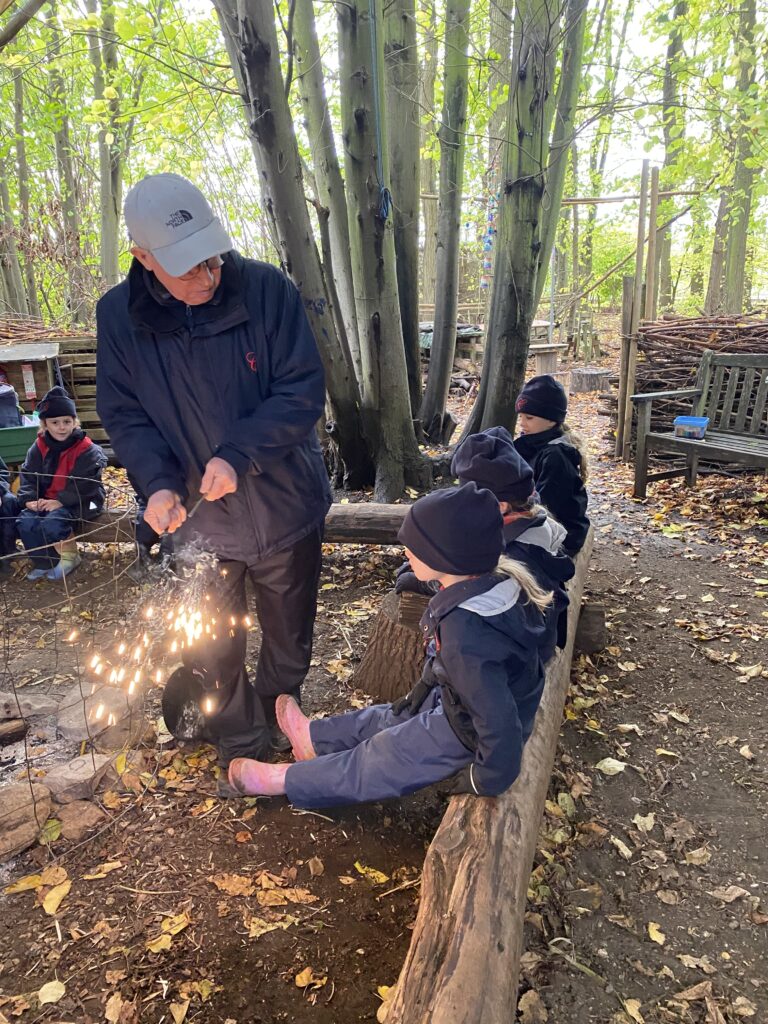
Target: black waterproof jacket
<point x="239" y="377"/>
<point x="556" y="472"/>
<point x="483" y="653"/>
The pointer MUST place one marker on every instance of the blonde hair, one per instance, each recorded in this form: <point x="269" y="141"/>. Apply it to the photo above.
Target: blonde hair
<point x="534" y="593"/>
<point x="578" y="444"/>
<point x="528" y="507"/>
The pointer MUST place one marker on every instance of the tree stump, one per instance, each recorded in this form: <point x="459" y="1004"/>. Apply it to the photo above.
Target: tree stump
<point x="12" y="730"/>
<point x="591" y="634"/>
<point x="589" y="378"/>
<point x="394" y="656"/>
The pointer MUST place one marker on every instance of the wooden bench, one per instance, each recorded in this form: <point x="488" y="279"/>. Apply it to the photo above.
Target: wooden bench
<point x="732" y="391"/>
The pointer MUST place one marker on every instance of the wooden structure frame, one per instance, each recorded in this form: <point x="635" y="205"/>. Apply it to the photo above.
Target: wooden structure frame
<point x="732" y="390"/>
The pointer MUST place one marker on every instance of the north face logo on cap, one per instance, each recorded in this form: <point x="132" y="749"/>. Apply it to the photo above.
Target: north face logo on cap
<point x="178" y="218"/>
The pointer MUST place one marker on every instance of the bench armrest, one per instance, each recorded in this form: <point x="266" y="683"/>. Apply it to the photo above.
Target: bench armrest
<point x="680" y="393"/>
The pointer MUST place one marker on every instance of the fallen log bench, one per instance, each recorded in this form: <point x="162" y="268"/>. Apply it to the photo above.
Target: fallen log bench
<point x="346" y="523"/>
<point x="463" y="963"/>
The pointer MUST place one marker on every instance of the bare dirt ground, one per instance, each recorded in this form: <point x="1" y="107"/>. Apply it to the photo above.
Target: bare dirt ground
<point x="648" y="899"/>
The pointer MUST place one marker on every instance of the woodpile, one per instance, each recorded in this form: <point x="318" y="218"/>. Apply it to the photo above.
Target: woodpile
<point x="670" y="352"/>
<point x="24" y="330"/>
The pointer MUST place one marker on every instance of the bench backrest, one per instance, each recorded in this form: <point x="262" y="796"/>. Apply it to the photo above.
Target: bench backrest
<point x="734" y="392"/>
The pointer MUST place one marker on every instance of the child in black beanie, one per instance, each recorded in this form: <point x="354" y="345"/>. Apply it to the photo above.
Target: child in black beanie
<point x="548" y="446"/>
<point x="472" y="710"/>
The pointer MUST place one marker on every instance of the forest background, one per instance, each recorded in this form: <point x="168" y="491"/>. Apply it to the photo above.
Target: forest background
<point x="376" y="147"/>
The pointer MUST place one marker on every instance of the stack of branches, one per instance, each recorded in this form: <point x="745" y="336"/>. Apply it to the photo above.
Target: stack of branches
<point x="669" y="353"/>
<point x="16" y="330"/>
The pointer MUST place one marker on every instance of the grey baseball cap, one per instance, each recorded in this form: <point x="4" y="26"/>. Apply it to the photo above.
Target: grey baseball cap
<point x="171" y="218"/>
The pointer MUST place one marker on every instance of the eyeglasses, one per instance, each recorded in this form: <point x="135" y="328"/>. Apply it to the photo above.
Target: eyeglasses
<point x="209" y="265"/>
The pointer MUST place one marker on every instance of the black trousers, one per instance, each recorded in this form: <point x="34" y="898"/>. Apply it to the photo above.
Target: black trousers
<point x="285" y="588"/>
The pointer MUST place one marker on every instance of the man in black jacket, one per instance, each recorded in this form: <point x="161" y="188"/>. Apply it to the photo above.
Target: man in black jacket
<point x="209" y="383"/>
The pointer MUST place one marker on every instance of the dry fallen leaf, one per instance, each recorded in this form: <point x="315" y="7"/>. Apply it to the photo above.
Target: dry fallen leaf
<point x="627" y="727"/>
<point x="24" y="884"/>
<point x="696" y="963"/>
<point x="746" y="753"/>
<point x="698" y="857"/>
<point x="258" y="926"/>
<point x="233" y="885"/>
<point x="103" y="870"/>
<point x="622" y="847"/>
<point x="52" y="899"/>
<point x="308" y="979"/>
<point x="51" y="992"/>
<point x="179" y="1011"/>
<point x="666" y="753"/>
<point x="668" y="896"/>
<point x="271" y="898"/>
<point x="54" y="875"/>
<point x="644" y="822"/>
<point x="113" y="1008"/>
<point x="729" y="893"/>
<point x="347" y="880"/>
<point x="632" y="1009"/>
<point x="316" y="867"/>
<point x="655" y="934"/>
<point x="160" y="943"/>
<point x="743" y="1007"/>
<point x="610" y="766"/>
<point x="695" y="992"/>
<point x="377" y="877"/>
<point x="532" y="1010"/>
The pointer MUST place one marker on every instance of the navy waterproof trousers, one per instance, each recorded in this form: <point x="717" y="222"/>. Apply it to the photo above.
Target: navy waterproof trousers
<point x="374" y="754"/>
<point x="39" y="531"/>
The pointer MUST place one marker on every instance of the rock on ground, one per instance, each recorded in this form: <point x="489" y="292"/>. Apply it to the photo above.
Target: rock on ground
<point x="77" y="818"/>
<point x="83" y="715"/>
<point x="78" y="779"/>
<point x="32" y="705"/>
<point x="24" y="809"/>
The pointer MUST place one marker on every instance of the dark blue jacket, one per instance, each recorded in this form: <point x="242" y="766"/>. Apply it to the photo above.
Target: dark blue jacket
<point x="556" y="466"/>
<point x="69" y="471"/>
<point x="5" y="479"/>
<point x="484" y="655"/>
<point x="537" y="543"/>
<point x="239" y="377"/>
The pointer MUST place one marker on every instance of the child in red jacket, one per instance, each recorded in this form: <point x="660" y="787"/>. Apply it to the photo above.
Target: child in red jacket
<point x="60" y="486"/>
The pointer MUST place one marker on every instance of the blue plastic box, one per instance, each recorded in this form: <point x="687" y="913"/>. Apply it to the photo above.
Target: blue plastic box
<point x="694" y="427"/>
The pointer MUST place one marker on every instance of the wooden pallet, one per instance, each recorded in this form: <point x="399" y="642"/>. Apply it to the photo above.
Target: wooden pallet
<point x="77" y="362"/>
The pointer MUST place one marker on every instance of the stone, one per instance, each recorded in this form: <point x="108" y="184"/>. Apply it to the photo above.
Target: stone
<point x="12" y="729"/>
<point x="77" y="818"/>
<point x="135" y="763"/>
<point x="83" y="715"/>
<point x="24" y="810"/>
<point x="126" y="732"/>
<point x="28" y="705"/>
<point x="591" y="632"/>
<point x="78" y="778"/>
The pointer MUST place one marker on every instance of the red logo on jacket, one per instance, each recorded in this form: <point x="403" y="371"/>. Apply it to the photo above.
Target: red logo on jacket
<point x="250" y="358"/>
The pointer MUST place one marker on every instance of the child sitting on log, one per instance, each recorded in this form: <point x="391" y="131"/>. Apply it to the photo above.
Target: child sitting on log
<point x="60" y="487"/>
<point x="552" y="451"/>
<point x="472" y="710"/>
<point x="530" y="535"/>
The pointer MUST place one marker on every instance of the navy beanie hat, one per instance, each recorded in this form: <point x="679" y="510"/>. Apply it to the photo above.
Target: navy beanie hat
<point x="543" y="396"/>
<point x="56" y="403"/>
<point x="491" y="460"/>
<point x="457" y="530"/>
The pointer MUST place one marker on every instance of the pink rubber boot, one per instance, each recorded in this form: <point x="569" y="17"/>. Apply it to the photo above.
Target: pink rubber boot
<point x="257" y="778"/>
<point x="295" y="725"/>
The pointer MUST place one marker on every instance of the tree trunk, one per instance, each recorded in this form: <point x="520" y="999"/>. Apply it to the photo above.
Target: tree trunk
<point x="327" y="172"/>
<point x="674" y="129"/>
<point x="394" y="655"/>
<point x="384" y="382"/>
<point x="249" y="32"/>
<point x="428" y="175"/>
<point x="499" y="70"/>
<point x="402" y="78"/>
<point x="714" y="300"/>
<point x="743" y="172"/>
<point x="452" y="135"/>
<point x="78" y="291"/>
<point x="698" y="229"/>
<point x="22" y="171"/>
<point x="534" y="174"/>
<point x="463" y="963"/>
<point x="10" y="264"/>
<point x="17" y="21"/>
<point x="103" y="53"/>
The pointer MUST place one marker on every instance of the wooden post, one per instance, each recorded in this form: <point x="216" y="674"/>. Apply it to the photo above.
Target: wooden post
<point x="463" y="963"/>
<point x="650" y="263"/>
<point x="628" y="290"/>
<point x="636" y="307"/>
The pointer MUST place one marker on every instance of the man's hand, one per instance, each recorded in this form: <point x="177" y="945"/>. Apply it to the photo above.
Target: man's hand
<point x="219" y="479"/>
<point x="165" y="512"/>
<point x="48" y="505"/>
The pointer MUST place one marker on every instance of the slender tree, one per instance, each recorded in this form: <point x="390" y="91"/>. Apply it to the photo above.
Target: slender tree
<point x="402" y="92"/>
<point x="428" y="175"/>
<point x="452" y="136"/>
<point x="22" y="175"/>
